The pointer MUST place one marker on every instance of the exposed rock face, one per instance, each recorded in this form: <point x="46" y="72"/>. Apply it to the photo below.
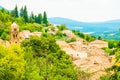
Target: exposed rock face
<point x="99" y="44"/>
<point x="89" y="58"/>
<point x="63" y="44"/>
<point x="69" y="33"/>
<point x="36" y="34"/>
<point x="25" y="34"/>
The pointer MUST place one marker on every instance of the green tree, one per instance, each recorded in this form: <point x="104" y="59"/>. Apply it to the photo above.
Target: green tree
<point x="45" y="21"/>
<point x="21" y="12"/>
<point x="12" y="63"/>
<point x="48" y="61"/>
<point x="39" y="18"/>
<point x="36" y="19"/>
<point x="14" y="13"/>
<point x="25" y="14"/>
<point x="99" y="38"/>
<point x="32" y="18"/>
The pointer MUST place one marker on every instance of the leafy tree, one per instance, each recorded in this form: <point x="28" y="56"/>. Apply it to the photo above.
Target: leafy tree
<point x="46" y="60"/>
<point x="12" y="64"/>
<point x="45" y="21"/>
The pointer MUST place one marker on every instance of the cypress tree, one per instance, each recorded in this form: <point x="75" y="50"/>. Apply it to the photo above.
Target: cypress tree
<point x="45" y="19"/>
<point x="32" y="18"/>
<point x="39" y="18"/>
<point x="36" y="19"/>
<point x="25" y="14"/>
<point x="21" y="12"/>
<point x="14" y="12"/>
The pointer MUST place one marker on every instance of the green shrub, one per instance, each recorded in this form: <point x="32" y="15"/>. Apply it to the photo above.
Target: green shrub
<point x="71" y="40"/>
<point x="62" y="27"/>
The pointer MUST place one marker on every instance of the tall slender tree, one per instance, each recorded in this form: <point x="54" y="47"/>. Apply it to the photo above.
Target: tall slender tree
<point x="21" y="12"/>
<point x="14" y="12"/>
<point x="25" y="15"/>
<point x="32" y="18"/>
<point x="45" y="19"/>
<point x="39" y="18"/>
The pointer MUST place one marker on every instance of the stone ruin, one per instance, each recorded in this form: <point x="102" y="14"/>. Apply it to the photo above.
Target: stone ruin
<point x="14" y="33"/>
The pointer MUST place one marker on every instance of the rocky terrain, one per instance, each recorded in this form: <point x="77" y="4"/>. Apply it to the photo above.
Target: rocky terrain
<point x="90" y="59"/>
<point x="88" y="56"/>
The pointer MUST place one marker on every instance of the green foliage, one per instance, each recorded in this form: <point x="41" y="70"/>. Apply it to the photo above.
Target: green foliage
<point x="112" y="44"/>
<point x="31" y="27"/>
<point x="109" y="51"/>
<point x="4" y="36"/>
<point x="61" y="27"/>
<point x="113" y="76"/>
<point x="46" y="60"/>
<point x="116" y="66"/>
<point x="60" y="35"/>
<point x="71" y="40"/>
<point x="45" y="21"/>
<point x="12" y="64"/>
<point x="25" y="14"/>
<point x="99" y="38"/>
<point x="82" y="75"/>
<point x="32" y="18"/>
<point x="21" y="12"/>
<point x="84" y="36"/>
<point x="39" y="19"/>
<point x="78" y="33"/>
<point x="14" y="13"/>
<point x="42" y="46"/>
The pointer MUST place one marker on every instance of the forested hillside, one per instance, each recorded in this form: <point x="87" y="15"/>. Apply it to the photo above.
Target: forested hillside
<point x="56" y="53"/>
<point x="38" y="58"/>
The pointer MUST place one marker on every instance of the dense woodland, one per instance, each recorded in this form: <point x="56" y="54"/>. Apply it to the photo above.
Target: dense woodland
<point x="40" y="58"/>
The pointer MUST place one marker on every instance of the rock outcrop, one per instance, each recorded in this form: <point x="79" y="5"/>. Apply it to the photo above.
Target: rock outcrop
<point x="88" y="57"/>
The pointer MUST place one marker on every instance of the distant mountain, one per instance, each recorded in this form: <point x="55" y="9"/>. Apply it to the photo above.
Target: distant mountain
<point x="112" y="25"/>
<point x="1" y="7"/>
<point x="96" y="28"/>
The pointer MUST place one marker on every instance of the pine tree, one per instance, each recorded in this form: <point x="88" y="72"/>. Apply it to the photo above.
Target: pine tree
<point x="25" y="14"/>
<point x="39" y="18"/>
<point x="21" y="12"/>
<point x="14" y="12"/>
<point x="32" y="18"/>
<point x="45" y="19"/>
<point x="36" y="19"/>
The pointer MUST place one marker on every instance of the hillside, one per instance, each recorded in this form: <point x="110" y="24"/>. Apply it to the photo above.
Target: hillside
<point x="103" y="29"/>
<point x="33" y="48"/>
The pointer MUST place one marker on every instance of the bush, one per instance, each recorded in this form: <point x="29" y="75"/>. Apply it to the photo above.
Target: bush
<point x="62" y="27"/>
<point x="109" y="51"/>
<point x="12" y="64"/>
<point x="46" y="60"/>
<point x="71" y="40"/>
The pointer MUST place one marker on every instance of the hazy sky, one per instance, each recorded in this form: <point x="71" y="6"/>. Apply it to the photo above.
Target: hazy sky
<point x="82" y="10"/>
